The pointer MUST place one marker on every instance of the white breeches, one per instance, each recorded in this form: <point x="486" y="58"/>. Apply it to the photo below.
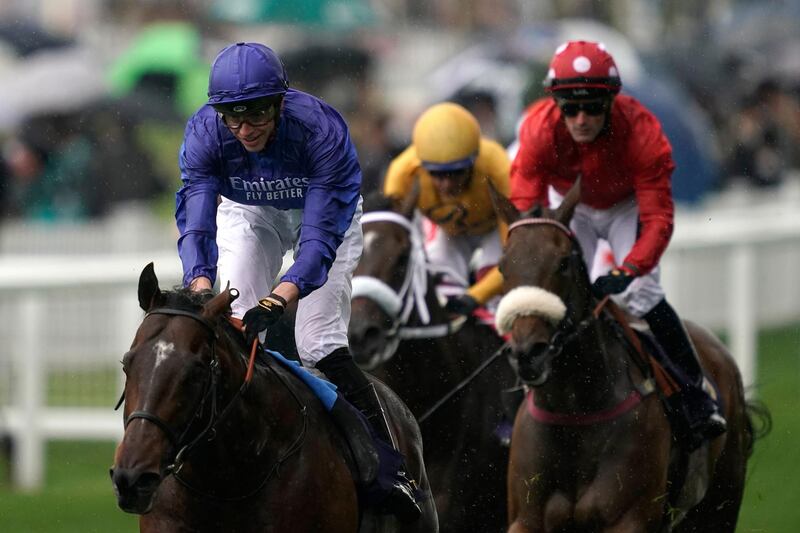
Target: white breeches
<point x="618" y="226"/>
<point x="252" y="241"/>
<point x="455" y="252"/>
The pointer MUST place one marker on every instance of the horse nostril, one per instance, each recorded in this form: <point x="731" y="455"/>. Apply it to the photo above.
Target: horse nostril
<point x="530" y="352"/>
<point x="367" y="343"/>
<point x="365" y="335"/>
<point x="148" y="481"/>
<point x="125" y="480"/>
<point x="372" y="334"/>
<point x="531" y="367"/>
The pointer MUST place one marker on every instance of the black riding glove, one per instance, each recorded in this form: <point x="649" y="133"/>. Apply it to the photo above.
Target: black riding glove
<point x="614" y="282"/>
<point x="267" y="312"/>
<point x="462" y="304"/>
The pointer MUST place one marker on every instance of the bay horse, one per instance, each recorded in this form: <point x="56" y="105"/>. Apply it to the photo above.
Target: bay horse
<point x="592" y="449"/>
<point x="214" y="444"/>
<point x="446" y="370"/>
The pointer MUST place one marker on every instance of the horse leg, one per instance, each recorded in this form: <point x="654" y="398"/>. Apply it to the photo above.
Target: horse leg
<point x="719" y="510"/>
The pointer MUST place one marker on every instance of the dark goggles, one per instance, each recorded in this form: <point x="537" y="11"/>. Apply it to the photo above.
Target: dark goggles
<point x="256" y="119"/>
<point x="592" y="108"/>
<point x="450" y="174"/>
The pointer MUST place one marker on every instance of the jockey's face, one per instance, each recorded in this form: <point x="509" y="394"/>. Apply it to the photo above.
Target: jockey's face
<point x="451" y="184"/>
<point x="584" y="118"/>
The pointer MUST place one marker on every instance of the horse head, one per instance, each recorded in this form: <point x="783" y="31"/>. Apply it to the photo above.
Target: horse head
<point x="546" y="285"/>
<point x="390" y="280"/>
<point x="172" y="372"/>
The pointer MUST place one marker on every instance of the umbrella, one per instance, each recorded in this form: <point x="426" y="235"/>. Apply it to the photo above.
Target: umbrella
<point x="53" y="81"/>
<point x="172" y="48"/>
<point x="27" y="38"/>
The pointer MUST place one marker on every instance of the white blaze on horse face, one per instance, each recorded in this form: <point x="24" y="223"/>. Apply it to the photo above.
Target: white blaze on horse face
<point x="162" y="350"/>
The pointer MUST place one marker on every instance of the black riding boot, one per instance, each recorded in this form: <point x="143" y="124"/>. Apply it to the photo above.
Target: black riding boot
<point x="705" y="420"/>
<point x="340" y="368"/>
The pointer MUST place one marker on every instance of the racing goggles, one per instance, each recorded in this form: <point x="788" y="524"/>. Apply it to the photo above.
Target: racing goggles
<point x="592" y="108"/>
<point x="255" y="119"/>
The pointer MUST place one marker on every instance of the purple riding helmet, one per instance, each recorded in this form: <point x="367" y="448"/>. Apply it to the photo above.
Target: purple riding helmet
<point x="246" y="77"/>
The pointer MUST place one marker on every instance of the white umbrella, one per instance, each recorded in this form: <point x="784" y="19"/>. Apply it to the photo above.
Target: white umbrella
<point x="60" y="80"/>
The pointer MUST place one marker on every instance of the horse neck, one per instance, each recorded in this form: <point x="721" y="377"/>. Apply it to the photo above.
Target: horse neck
<point x="423" y="369"/>
<point x="590" y="374"/>
<point x="264" y="409"/>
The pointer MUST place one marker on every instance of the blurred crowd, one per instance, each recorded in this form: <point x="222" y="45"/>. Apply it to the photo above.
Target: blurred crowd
<point x="80" y="156"/>
<point x="763" y="134"/>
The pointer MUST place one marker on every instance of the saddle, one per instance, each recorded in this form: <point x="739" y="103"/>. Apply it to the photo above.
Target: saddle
<point x="356" y="430"/>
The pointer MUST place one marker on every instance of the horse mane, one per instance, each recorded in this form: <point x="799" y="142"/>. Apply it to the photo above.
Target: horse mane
<point x="185" y="299"/>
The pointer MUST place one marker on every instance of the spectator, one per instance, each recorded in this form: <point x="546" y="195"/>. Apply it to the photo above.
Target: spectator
<point x="765" y="133"/>
<point x="48" y="170"/>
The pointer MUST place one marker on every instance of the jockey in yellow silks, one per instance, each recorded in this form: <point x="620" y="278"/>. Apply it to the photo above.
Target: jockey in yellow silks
<point x="454" y="166"/>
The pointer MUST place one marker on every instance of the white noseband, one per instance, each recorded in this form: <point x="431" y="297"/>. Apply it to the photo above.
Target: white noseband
<point x="528" y="301"/>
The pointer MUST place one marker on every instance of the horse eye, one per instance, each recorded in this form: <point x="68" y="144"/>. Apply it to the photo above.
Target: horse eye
<point x="563" y="265"/>
<point x="126" y="361"/>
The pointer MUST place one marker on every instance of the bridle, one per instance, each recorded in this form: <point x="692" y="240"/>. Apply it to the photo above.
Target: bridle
<point x="568" y="329"/>
<point x="398" y="305"/>
<point x="216" y="417"/>
<point x="209" y="395"/>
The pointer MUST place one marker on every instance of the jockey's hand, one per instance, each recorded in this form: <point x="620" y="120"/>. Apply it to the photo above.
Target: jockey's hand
<point x="461" y="304"/>
<point x="614" y="282"/>
<point x="267" y="312"/>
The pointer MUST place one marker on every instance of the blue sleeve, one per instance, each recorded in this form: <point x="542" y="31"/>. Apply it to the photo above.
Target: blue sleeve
<point x="331" y="201"/>
<point x="196" y="202"/>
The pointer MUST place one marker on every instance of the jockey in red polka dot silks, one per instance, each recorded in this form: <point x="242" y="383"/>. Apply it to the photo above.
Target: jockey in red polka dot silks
<point x="585" y="129"/>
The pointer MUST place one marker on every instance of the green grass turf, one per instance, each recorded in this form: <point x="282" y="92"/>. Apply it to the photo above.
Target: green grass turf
<point x="772" y="493"/>
<point x="78" y="496"/>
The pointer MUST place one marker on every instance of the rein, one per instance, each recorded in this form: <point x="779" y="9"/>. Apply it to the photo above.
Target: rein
<point x="399" y="305"/>
<point x="566" y="332"/>
<point x="210" y="392"/>
<point x="216" y="417"/>
<point x="412" y="294"/>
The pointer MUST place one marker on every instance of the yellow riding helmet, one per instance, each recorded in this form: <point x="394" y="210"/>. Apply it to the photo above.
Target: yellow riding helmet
<point x="446" y="138"/>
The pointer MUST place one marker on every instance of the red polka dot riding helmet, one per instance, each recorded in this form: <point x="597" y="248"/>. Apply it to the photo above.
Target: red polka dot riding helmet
<point x="581" y="69"/>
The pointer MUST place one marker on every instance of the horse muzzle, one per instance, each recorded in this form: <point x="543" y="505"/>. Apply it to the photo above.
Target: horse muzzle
<point x="368" y="333"/>
<point x="366" y="343"/>
<point x="533" y="363"/>
<point x="135" y="490"/>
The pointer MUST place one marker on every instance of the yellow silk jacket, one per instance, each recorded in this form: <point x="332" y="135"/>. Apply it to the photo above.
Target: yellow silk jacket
<point x="469" y="213"/>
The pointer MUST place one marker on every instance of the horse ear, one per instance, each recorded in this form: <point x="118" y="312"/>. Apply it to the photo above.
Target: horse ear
<point x="564" y="211"/>
<point x="409" y="203"/>
<point x="149" y="292"/>
<point x="221" y="303"/>
<point x="505" y="210"/>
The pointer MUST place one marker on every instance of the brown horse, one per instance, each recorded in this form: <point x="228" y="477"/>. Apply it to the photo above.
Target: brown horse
<point x="209" y="447"/>
<point x="445" y="370"/>
<point x="592" y="448"/>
